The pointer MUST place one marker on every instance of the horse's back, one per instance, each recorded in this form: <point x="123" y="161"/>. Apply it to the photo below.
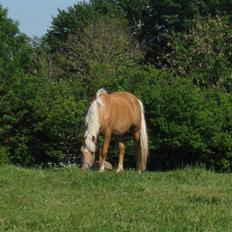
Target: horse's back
<point x="121" y="111"/>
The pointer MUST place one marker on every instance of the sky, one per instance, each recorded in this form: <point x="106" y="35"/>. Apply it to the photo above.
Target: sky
<point x="34" y="16"/>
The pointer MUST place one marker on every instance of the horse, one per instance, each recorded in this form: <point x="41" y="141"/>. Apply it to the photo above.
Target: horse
<point x="114" y="114"/>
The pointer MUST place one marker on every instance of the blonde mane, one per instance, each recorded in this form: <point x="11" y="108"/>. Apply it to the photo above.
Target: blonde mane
<point x="92" y="121"/>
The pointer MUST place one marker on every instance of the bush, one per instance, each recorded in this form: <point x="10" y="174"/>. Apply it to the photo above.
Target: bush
<point x="60" y="109"/>
<point x="186" y="123"/>
<point x="3" y="156"/>
<point x="17" y="118"/>
<point x="42" y="120"/>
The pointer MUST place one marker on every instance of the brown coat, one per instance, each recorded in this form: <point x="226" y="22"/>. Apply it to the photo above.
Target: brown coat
<point x="120" y="112"/>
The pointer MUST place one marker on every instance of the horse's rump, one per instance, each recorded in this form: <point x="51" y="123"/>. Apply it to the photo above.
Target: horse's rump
<point x="120" y="111"/>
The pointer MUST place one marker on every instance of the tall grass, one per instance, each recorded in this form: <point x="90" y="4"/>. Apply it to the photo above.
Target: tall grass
<point x="70" y="199"/>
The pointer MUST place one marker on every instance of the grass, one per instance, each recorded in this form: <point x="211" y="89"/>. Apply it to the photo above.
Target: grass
<point x="70" y="199"/>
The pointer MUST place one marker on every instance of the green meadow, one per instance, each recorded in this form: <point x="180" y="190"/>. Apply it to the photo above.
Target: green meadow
<point x="69" y="199"/>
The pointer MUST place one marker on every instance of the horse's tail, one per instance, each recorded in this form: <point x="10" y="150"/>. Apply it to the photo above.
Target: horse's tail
<point x="143" y="151"/>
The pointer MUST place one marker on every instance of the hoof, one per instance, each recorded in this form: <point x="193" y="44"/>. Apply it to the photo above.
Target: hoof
<point x="102" y="168"/>
<point x="119" y="170"/>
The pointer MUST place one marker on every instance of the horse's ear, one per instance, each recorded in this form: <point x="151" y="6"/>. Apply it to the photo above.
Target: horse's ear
<point x="93" y="139"/>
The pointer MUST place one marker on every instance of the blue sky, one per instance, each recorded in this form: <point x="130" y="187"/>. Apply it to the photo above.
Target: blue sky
<point x="34" y="16"/>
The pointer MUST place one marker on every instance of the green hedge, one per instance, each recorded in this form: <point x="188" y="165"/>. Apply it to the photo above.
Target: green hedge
<point x="187" y="124"/>
<point x="43" y="120"/>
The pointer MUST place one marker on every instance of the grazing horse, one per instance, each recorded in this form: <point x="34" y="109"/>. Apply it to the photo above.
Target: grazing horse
<point x="114" y="114"/>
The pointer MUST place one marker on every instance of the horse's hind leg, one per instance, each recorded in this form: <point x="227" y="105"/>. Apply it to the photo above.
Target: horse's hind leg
<point x="104" y="149"/>
<point x="121" y="147"/>
<point x="137" y="143"/>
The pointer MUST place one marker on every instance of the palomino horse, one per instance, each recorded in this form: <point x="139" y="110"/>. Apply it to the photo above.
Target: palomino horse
<point x="114" y="114"/>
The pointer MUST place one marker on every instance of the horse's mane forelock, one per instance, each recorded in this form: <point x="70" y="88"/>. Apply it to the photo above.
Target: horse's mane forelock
<point x="100" y="91"/>
<point x="92" y="121"/>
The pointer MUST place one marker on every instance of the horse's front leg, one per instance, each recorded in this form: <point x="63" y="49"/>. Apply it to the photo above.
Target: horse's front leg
<point x="104" y="150"/>
<point x="121" y="147"/>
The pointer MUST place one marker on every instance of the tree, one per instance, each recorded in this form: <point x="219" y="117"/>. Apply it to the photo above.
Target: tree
<point x="16" y="60"/>
<point x="14" y="48"/>
<point x="153" y="21"/>
<point x="102" y="42"/>
<point x="204" y="53"/>
<point x="150" y="21"/>
<point x="75" y="18"/>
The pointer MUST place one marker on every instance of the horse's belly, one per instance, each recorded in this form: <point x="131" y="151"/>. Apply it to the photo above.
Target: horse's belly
<point x="121" y="127"/>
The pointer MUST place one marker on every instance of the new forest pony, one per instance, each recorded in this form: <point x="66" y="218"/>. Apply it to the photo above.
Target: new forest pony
<point x="114" y="114"/>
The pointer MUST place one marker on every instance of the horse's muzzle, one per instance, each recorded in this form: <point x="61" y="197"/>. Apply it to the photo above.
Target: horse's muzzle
<point x="85" y="166"/>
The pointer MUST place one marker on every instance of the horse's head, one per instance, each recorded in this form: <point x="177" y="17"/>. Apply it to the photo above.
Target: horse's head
<point x="87" y="158"/>
<point x="90" y="142"/>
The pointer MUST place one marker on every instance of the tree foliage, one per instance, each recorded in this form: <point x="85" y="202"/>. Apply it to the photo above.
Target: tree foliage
<point x="74" y="20"/>
<point x="204" y="53"/>
<point x="103" y="41"/>
<point x="16" y="54"/>
<point x="16" y="60"/>
<point x="152" y="21"/>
